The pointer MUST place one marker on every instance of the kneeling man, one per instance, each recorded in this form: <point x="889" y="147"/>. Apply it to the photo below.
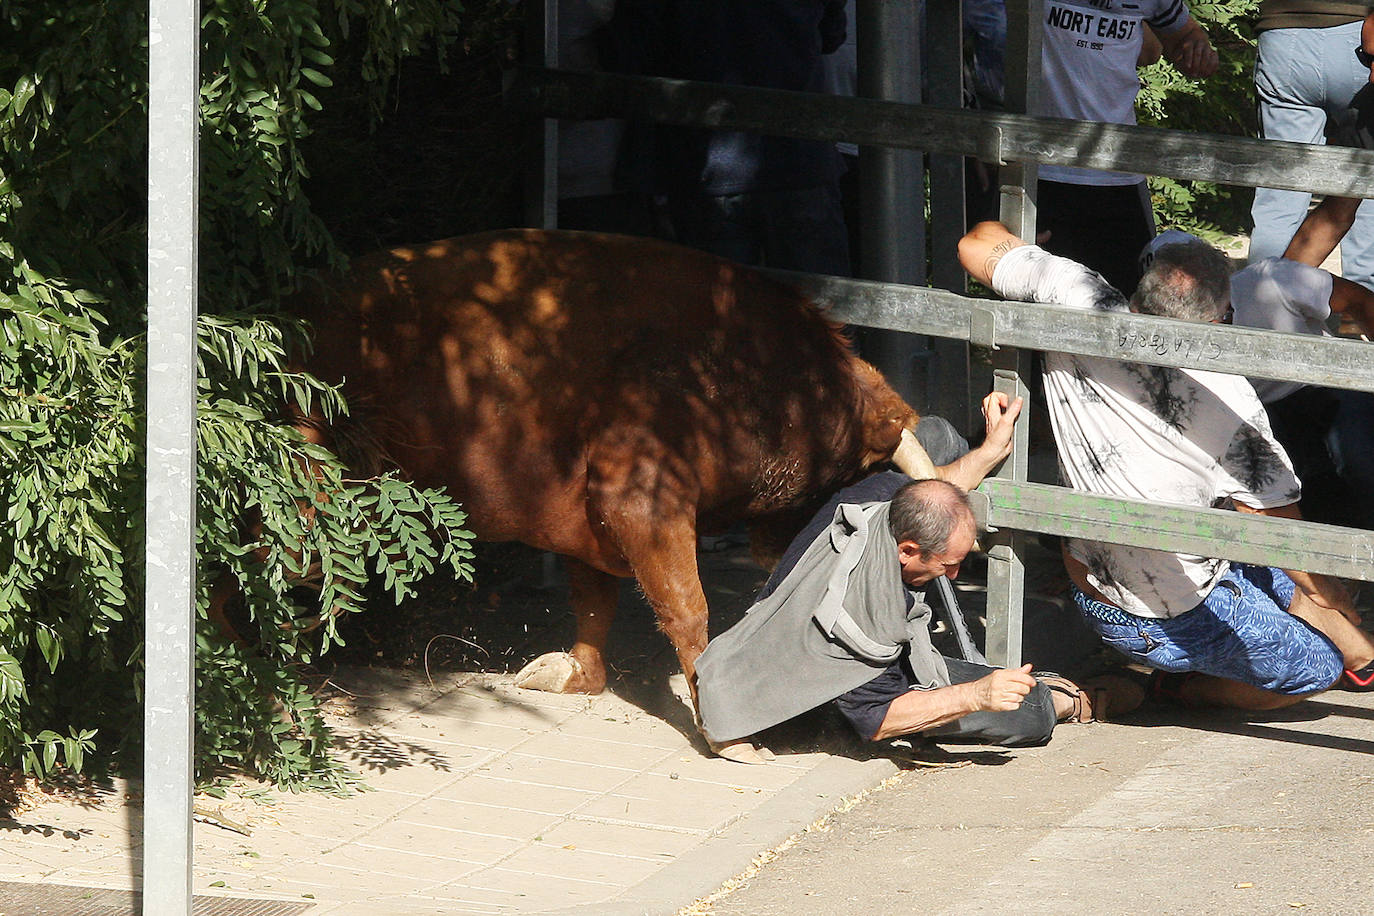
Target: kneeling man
<point x="1228" y="634"/>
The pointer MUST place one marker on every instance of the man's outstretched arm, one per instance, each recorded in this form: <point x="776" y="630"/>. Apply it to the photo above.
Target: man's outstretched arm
<point x="983" y="246"/>
<point x="999" y="421"/>
<point x="1354" y="300"/>
<point x="1322" y="230"/>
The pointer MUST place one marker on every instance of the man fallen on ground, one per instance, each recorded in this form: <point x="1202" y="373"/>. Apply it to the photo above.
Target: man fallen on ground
<point x="838" y="620"/>
<point x="1230" y="634"/>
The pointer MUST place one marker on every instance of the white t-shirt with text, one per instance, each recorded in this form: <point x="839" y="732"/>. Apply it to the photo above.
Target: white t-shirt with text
<point x="1088" y="67"/>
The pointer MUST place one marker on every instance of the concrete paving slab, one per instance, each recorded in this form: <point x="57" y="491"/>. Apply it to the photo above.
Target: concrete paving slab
<point x="558" y="745"/>
<point x="541" y="771"/>
<point x="651" y="843"/>
<point x="481" y="820"/>
<point x="613" y="869"/>
<point x="612" y="729"/>
<point x="418" y="869"/>
<point x="581" y="801"/>
<point x="501" y="795"/>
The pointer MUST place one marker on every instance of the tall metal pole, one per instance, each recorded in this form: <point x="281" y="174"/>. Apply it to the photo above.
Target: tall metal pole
<point x="949" y="376"/>
<point x="169" y="615"/>
<point x="891" y="186"/>
<point x="1006" y="551"/>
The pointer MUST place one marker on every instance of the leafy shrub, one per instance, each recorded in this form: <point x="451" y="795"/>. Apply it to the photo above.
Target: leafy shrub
<point x="272" y="507"/>
<point x="1222" y="104"/>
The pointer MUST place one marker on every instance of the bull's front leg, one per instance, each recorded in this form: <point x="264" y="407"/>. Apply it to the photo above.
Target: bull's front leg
<point x="670" y="579"/>
<point x="593" y="595"/>
<point x="672" y="585"/>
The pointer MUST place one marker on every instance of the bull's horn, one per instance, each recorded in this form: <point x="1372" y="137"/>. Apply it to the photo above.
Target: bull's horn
<point x="911" y="458"/>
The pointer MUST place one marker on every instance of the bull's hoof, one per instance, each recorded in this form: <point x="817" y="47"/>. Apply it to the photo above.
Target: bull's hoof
<point x="555" y="672"/>
<point x="742" y="752"/>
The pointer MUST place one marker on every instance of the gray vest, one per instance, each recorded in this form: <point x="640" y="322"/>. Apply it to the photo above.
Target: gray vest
<point x="835" y="622"/>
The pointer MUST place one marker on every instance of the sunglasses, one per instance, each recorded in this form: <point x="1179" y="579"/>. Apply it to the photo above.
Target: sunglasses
<point x="1364" y="57"/>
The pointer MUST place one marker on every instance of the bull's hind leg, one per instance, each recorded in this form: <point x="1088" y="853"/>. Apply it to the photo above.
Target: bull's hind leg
<point x="593" y="595"/>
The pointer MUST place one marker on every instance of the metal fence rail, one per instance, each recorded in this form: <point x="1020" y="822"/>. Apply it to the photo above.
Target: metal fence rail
<point x="1289" y="544"/>
<point x="1309" y="359"/>
<point x="990" y="136"/>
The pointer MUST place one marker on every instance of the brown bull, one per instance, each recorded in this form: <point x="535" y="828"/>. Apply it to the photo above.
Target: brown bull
<point x="605" y="398"/>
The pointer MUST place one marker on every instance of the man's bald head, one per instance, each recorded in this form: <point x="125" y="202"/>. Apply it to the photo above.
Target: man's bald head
<point x="929" y="512"/>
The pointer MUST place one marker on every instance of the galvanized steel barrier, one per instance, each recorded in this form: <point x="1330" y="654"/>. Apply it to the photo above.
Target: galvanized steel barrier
<point x="1008" y="502"/>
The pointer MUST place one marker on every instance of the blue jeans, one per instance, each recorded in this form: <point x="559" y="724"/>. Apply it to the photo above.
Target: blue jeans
<point x="1242" y="631"/>
<point x="1300" y="76"/>
<point x="941" y="440"/>
<point x="1029" y="725"/>
<point x="986" y="22"/>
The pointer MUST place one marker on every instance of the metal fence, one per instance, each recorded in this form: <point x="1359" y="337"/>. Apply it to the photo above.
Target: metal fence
<point x="1008" y="504"/>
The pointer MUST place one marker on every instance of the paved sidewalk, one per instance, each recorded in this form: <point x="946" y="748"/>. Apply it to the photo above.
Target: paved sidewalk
<point x="488" y="799"/>
<point x="1170" y="812"/>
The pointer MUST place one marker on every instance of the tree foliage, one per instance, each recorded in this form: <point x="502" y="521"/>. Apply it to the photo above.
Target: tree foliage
<point x="272" y="507"/>
<point x="1222" y="104"/>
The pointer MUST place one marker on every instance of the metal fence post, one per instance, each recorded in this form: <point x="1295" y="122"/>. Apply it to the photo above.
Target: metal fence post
<point x="541" y="172"/>
<point x="169" y="653"/>
<point x="1006" y="550"/>
<point x="949" y="375"/>
<point x="891" y="187"/>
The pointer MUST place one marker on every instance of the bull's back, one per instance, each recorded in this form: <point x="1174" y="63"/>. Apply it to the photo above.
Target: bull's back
<point x="490" y="360"/>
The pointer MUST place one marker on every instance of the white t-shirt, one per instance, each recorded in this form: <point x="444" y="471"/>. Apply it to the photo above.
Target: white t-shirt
<point x="1179" y="436"/>
<point x="1281" y="295"/>
<point x="1088" y="67"/>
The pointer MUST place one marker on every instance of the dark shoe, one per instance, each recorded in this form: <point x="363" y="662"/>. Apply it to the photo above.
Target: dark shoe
<point x="1361" y="681"/>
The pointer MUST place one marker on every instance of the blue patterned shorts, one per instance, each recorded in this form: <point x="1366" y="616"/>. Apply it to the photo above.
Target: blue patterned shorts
<point x="1242" y="630"/>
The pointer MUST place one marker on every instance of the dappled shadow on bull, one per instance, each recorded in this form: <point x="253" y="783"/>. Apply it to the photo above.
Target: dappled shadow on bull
<point x="604" y="398"/>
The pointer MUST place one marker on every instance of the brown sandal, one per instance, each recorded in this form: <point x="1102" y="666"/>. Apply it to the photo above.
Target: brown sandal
<point x="1098" y="697"/>
<point x="1086" y="707"/>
